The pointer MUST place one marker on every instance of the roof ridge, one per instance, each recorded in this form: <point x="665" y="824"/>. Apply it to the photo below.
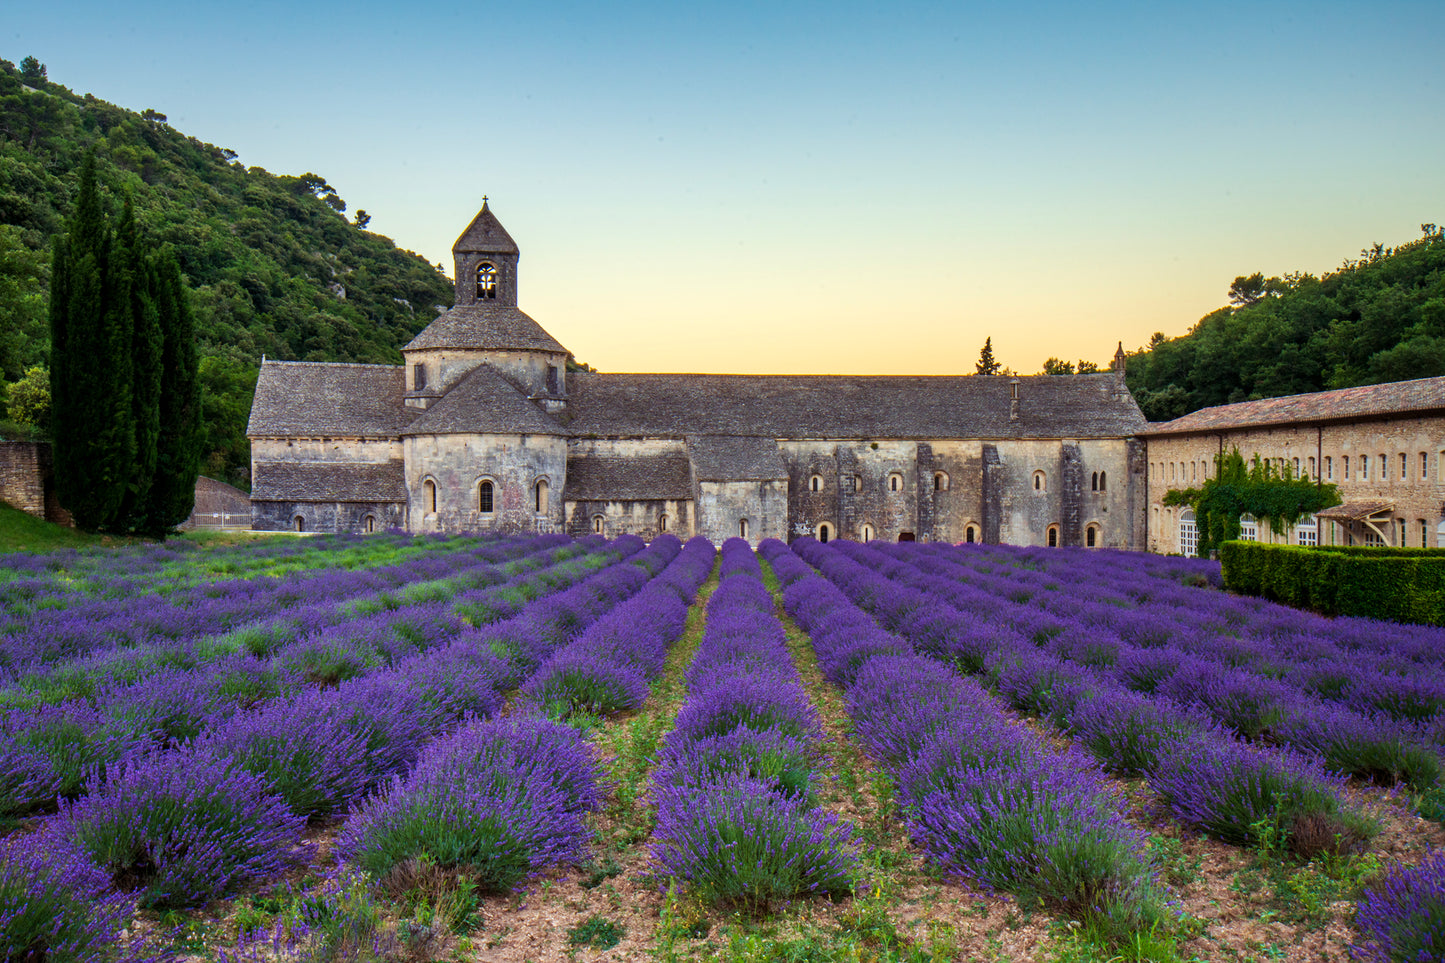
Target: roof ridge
<point x="332" y="364"/>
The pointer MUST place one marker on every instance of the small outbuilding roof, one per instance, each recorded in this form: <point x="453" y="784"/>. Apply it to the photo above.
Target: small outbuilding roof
<point x="484" y="402"/>
<point x="329" y="399"/>
<point x="329" y="482"/>
<point x="1356" y="511"/>
<point x="735" y="458"/>
<point x="1343" y="404"/>
<point x="486" y="326"/>
<point x="644" y="478"/>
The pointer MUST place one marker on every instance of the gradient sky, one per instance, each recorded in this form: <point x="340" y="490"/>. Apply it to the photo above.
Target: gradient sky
<point x="819" y="187"/>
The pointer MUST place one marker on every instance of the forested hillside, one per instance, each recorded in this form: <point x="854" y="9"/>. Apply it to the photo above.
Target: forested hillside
<point x="272" y="263"/>
<point x="1378" y="318"/>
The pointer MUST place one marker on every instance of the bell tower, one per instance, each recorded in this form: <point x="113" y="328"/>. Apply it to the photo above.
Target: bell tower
<point x="486" y="263"/>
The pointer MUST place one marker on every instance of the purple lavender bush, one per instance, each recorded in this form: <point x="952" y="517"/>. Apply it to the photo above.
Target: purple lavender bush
<point x="184" y="827"/>
<point x="735" y="841"/>
<point x="502" y="799"/>
<point x="55" y="905"/>
<point x="1402" y="918"/>
<point x="52" y="751"/>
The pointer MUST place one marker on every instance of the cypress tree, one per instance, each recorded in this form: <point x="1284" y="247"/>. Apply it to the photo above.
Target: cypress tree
<point x="178" y="455"/>
<point x="134" y="282"/>
<point x="94" y="432"/>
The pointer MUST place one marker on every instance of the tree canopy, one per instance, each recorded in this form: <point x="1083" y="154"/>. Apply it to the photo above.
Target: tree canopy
<point x="1379" y="318"/>
<point x="986" y="364"/>
<point x="271" y="264"/>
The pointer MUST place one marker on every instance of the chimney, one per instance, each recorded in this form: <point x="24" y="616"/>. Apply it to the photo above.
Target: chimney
<point x="1013" y="395"/>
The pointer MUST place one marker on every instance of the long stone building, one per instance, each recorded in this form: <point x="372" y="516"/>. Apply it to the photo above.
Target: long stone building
<point x="1382" y="445"/>
<point x="485" y="428"/>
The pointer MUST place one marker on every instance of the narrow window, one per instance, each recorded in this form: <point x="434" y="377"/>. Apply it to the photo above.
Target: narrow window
<point x="895" y="482"/>
<point x="940" y="481"/>
<point x="968" y="535"/>
<point x="1090" y="534"/>
<point x="1404" y="467"/>
<point x="1424" y="534"/>
<point x="1103" y="481"/>
<point x="823" y="533"/>
<point x="857" y="483"/>
<point x="429" y="496"/>
<point x="1345" y="466"/>
<point x="1296" y="468"/>
<point x="1424" y="465"/>
<point x="418" y="376"/>
<point x="486" y="281"/>
<point x="1330" y="467"/>
<point x="816" y="483"/>
<point x="299" y="523"/>
<point x="484" y="497"/>
<point x="597" y="524"/>
<point x="1384" y="468"/>
<point x="1041" y="481"/>
<point x="743" y="527"/>
<point x="867" y="533"/>
<point x="1171" y="471"/>
<point x="541" y="496"/>
<point x="1194" y="471"/>
<point x="1053" y="537"/>
<point x="1188" y="534"/>
<point x="662" y="523"/>
<point x="554" y="380"/>
<point x="368" y="524"/>
<point x="1094" y="482"/>
<point x="1312" y="466"/>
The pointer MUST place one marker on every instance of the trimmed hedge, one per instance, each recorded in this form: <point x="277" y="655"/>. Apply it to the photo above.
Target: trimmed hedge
<point x="1398" y="584"/>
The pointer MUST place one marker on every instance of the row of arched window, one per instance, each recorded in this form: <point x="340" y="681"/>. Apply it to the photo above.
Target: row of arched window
<point x="1379" y="467"/>
<point x="487" y="496"/>
<point x="1093" y="536"/>
<point x="817" y="483"/>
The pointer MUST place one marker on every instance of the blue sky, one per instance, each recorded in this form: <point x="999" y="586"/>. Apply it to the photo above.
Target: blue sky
<point x="819" y="187"/>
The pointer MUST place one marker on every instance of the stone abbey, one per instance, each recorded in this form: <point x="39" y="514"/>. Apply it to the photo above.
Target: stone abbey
<point x="485" y="428"/>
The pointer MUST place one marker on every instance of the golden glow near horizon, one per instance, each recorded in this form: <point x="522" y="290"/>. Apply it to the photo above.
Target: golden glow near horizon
<point x="769" y="188"/>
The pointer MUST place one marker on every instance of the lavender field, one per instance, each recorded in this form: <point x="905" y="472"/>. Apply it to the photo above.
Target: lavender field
<point x="536" y="748"/>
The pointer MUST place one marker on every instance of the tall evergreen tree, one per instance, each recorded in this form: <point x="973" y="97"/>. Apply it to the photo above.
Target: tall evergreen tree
<point x="91" y="332"/>
<point x="178" y="450"/>
<point x="133" y="280"/>
<point x="986" y="365"/>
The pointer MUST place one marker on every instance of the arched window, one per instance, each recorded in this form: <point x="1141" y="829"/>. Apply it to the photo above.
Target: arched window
<point x="429" y="496"/>
<point x="662" y="522"/>
<point x="597" y="524"/>
<point x="815" y="483"/>
<point x="1329" y="468"/>
<point x="857" y="483"/>
<point x="1041" y="481"/>
<point x="970" y="535"/>
<point x="1103" y="481"/>
<point x="368" y="524"/>
<point x="1091" y="536"/>
<point x="1188" y="534"/>
<point x="823" y="532"/>
<point x="1404" y="466"/>
<point x="1053" y="536"/>
<point x="299" y="523"/>
<point x="1345" y="465"/>
<point x="1424" y="465"/>
<point x="940" y="481"/>
<point x="743" y="527"/>
<point x="486" y="281"/>
<point x="418" y="376"/>
<point x="895" y="482"/>
<point x="1306" y="531"/>
<point x="484" y="497"/>
<point x="1312" y="466"/>
<point x="1094" y="482"/>
<point x="1296" y="468"/>
<point x="540" y="490"/>
<point x="1248" y="528"/>
<point x="868" y="533"/>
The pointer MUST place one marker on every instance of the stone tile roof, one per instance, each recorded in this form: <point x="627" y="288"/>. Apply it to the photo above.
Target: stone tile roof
<point x="849" y="406"/>
<point x="649" y="477"/>
<point x="1366" y="401"/>
<point x="735" y="458"/>
<point x="326" y="399"/>
<point x="214" y="496"/>
<point x="486" y="235"/>
<point x="484" y="401"/>
<point x="328" y="482"/>
<point x="1356" y="511"/>
<point x="487" y="326"/>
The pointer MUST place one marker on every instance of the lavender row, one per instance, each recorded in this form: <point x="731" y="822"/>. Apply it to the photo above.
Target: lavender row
<point x="1236" y="792"/>
<point x="401" y="611"/>
<point x="322" y="747"/>
<point x="608" y="667"/>
<point x="1362" y="740"/>
<point x="735" y="788"/>
<point x="52" y="633"/>
<point x="984" y="795"/>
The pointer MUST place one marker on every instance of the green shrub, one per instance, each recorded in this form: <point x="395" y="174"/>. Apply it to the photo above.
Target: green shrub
<point x="1395" y="584"/>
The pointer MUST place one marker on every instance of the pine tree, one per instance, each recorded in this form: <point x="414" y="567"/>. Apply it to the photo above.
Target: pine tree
<point x="986" y="364"/>
<point x="178" y="451"/>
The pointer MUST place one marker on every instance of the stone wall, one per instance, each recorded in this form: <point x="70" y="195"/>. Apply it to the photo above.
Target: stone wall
<point x="1414" y="489"/>
<point x="27" y="480"/>
<point x="457" y="464"/>
<point x="722" y="506"/>
<point x="326" y="516"/>
<point x="644" y="518"/>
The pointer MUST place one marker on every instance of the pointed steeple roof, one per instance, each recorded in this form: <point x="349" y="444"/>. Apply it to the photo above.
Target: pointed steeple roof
<point x="485" y="235"/>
